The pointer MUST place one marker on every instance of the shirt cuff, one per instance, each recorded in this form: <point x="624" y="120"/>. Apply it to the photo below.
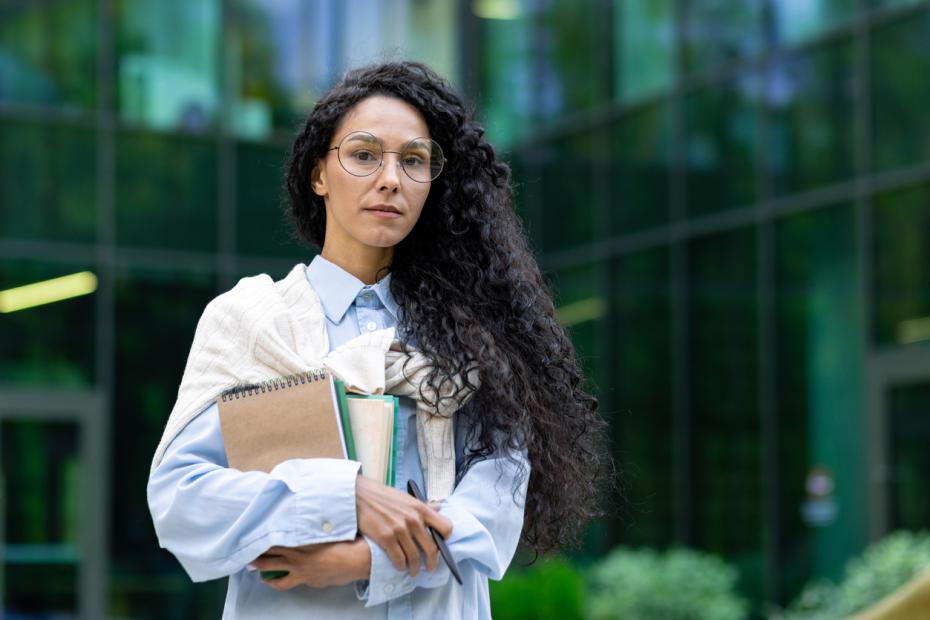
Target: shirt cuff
<point x="324" y="506"/>
<point x="386" y="582"/>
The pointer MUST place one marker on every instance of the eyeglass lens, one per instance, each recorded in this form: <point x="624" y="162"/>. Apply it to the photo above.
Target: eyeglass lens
<point x="361" y="154"/>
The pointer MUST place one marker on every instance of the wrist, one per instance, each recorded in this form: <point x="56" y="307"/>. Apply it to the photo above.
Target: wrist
<point x="362" y="561"/>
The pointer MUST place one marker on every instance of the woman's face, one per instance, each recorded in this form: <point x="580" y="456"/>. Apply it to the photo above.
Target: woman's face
<point x="378" y="210"/>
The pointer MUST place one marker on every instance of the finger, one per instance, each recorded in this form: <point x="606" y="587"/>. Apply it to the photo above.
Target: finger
<point x="442" y="525"/>
<point x="428" y="548"/>
<point x="395" y="553"/>
<point x="269" y="563"/>
<point x="282" y="583"/>
<point x="411" y="551"/>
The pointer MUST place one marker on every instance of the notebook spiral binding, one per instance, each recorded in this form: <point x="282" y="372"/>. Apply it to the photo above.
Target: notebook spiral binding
<point x="278" y="383"/>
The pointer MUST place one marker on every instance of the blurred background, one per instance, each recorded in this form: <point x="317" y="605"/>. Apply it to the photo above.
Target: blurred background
<point x="730" y="198"/>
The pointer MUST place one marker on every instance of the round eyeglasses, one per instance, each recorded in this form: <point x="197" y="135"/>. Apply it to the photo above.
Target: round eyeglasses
<point x="361" y="154"/>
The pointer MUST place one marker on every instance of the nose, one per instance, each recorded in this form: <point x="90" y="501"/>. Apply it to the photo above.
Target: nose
<point x="389" y="175"/>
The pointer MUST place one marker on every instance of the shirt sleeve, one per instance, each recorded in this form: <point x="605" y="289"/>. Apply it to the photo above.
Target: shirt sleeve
<point x="216" y="520"/>
<point x="486" y="511"/>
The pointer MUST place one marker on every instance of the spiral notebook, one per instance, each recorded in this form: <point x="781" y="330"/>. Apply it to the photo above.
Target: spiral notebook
<point x="308" y="415"/>
<point x="297" y="416"/>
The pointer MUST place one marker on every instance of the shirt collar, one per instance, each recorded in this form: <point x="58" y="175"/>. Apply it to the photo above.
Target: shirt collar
<point x="337" y="288"/>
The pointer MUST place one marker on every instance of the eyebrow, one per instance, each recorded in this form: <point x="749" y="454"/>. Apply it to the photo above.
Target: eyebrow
<point x="373" y="139"/>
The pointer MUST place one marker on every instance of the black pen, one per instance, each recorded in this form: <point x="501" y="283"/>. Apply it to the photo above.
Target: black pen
<point x="414" y="490"/>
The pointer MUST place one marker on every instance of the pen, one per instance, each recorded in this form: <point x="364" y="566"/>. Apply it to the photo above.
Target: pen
<point x="414" y="490"/>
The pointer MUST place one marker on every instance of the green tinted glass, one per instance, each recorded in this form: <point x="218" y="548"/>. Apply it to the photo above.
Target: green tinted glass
<point x="819" y="409"/>
<point x="644" y="54"/>
<point x="48" y="53"/>
<point x="262" y="227"/>
<point x="795" y="22"/>
<point x="812" y="102"/>
<point x="167" y="70"/>
<point x="720" y="147"/>
<point x="641" y="384"/>
<point x="717" y="33"/>
<point x="902" y="266"/>
<point x="47" y="182"/>
<point x="900" y="57"/>
<point x="725" y="428"/>
<point x="166" y="191"/>
<point x="641" y="169"/>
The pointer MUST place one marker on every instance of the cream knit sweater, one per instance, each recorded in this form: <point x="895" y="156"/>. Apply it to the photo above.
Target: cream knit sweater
<point x="262" y="329"/>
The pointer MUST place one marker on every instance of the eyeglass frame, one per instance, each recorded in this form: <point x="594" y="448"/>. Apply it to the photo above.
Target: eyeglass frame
<point x="381" y="162"/>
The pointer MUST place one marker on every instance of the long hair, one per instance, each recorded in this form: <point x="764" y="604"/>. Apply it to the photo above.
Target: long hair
<point x="470" y="291"/>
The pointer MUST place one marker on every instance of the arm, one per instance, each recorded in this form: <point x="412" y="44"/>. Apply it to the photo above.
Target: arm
<point x="216" y="520"/>
<point x="486" y="526"/>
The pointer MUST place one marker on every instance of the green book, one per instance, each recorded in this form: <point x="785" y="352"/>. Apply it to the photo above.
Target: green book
<point x="344" y="414"/>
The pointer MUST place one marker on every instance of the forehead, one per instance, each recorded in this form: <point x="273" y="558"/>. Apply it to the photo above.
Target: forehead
<point x="390" y="119"/>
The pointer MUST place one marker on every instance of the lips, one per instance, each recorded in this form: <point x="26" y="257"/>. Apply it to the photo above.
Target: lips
<point x="384" y="209"/>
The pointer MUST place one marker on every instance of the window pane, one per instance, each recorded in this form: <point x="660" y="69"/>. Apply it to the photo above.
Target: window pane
<point x="573" y="63"/>
<point x="797" y="21"/>
<point x="727" y="446"/>
<point x="721" y="31"/>
<point x="51" y="344"/>
<point x="48" y="53"/>
<point x="900" y="57"/>
<point x="149" y="365"/>
<point x="47" y="181"/>
<point x="166" y="191"/>
<point x="902" y="266"/>
<point x="819" y="371"/>
<point x="720" y="144"/>
<point x="168" y="63"/>
<point x="505" y="89"/>
<point x="263" y="228"/>
<point x="42" y="470"/>
<point x="643" y="424"/>
<point x="567" y="198"/>
<point x="641" y="170"/>
<point x="285" y="57"/>
<point x="910" y="431"/>
<point x="812" y="102"/>
<point x="645" y="49"/>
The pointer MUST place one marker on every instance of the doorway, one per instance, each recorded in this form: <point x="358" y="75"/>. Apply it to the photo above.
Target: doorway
<point x="53" y="503"/>
<point x="899" y="425"/>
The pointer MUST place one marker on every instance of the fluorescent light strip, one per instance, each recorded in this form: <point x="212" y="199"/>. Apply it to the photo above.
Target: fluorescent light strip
<point x="47" y="291"/>
<point x="496" y="9"/>
<point x="914" y="330"/>
<point x="581" y="311"/>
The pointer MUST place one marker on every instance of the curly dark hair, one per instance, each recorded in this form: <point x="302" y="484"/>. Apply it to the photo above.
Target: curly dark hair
<point x="469" y="290"/>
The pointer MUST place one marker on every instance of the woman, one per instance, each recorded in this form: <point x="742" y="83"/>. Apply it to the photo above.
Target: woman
<point x="393" y="180"/>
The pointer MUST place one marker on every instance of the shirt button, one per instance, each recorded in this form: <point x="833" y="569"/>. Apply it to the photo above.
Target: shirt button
<point x="371" y="326"/>
<point x="327" y="527"/>
<point x="389" y="588"/>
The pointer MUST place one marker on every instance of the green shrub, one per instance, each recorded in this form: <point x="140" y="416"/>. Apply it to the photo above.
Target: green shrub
<point x="883" y="568"/>
<point x="551" y="589"/>
<point x="679" y="584"/>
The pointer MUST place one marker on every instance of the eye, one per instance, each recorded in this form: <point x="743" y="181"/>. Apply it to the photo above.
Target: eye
<point x="364" y="156"/>
<point x="413" y="160"/>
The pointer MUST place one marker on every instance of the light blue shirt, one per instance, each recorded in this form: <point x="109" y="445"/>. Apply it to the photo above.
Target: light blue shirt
<point x="216" y="520"/>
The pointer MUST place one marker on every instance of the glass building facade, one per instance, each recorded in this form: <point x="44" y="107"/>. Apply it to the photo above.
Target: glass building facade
<point x="730" y="198"/>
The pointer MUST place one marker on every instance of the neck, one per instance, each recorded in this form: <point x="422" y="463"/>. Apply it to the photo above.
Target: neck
<point x="363" y="263"/>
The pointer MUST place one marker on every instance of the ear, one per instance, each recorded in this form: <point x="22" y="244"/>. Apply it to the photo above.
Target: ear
<point x="318" y="180"/>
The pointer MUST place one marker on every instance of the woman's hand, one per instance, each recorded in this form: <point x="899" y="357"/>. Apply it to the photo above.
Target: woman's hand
<point x="318" y="566"/>
<point x="397" y="523"/>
